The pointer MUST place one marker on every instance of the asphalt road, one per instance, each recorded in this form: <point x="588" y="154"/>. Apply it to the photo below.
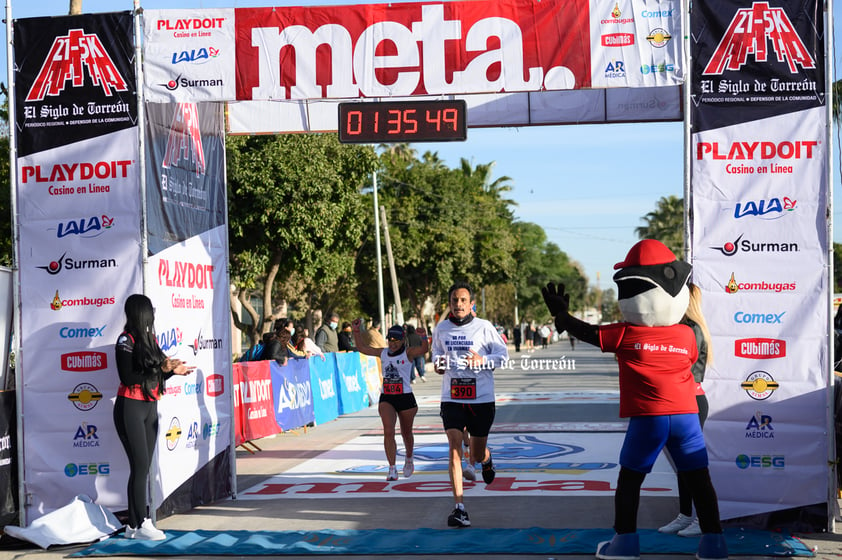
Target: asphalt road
<point x="554" y="394"/>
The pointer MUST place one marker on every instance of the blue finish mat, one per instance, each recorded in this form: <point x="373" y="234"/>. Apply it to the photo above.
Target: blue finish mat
<point x="431" y="541"/>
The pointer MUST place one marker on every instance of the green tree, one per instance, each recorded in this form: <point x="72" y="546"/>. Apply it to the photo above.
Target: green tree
<point x="666" y="224"/>
<point x="296" y="219"/>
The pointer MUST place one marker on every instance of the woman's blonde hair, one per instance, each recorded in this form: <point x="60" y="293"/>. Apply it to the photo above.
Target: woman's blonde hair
<point x="694" y="313"/>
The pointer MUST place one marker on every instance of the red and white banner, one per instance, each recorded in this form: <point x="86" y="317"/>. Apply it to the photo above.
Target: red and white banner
<point x="759" y="188"/>
<point x="411" y="49"/>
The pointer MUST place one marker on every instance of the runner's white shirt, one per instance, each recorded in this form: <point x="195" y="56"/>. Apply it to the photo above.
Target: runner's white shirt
<point x="397" y="371"/>
<point x="461" y="383"/>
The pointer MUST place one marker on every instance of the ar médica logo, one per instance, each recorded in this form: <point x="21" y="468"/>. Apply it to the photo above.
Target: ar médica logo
<point x="70" y="58"/>
<point x="750" y="32"/>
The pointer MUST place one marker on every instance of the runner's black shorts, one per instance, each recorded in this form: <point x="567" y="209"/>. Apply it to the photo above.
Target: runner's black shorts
<point x="476" y="417"/>
<point x="401" y="402"/>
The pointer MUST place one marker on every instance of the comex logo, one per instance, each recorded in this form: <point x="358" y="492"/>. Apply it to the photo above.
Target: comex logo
<point x="68" y="59"/>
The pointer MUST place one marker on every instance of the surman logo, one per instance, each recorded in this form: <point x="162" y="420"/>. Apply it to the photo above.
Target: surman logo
<point x="750" y="32"/>
<point x="68" y="59"/>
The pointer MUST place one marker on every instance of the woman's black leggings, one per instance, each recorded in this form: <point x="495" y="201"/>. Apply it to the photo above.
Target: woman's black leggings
<point x="137" y="426"/>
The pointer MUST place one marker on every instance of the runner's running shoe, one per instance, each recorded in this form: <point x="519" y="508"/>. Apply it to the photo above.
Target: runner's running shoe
<point x="692" y="530"/>
<point x="488" y="472"/>
<point x="393" y="473"/>
<point x="469" y="472"/>
<point x="459" y="518"/>
<point x="408" y="467"/>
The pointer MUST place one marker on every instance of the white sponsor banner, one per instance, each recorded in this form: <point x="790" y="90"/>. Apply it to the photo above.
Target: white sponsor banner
<point x="189" y="55"/>
<point x="186" y="281"/>
<point x="760" y="256"/>
<point x="537" y="464"/>
<point x="78" y="219"/>
<point x="635" y="44"/>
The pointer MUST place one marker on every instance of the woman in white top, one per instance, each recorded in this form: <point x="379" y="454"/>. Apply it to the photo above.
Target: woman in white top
<point x="397" y="403"/>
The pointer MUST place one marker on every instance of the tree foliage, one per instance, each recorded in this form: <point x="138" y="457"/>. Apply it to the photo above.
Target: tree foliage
<point x="666" y="224"/>
<point x="294" y="213"/>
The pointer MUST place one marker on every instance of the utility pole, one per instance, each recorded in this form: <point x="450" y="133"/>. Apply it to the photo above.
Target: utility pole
<point x="381" y="305"/>
<point x="398" y="307"/>
<point x="75" y="7"/>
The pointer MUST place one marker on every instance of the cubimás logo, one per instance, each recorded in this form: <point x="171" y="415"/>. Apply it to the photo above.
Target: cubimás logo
<point x="759" y="385"/>
<point x="84" y="396"/>
<point x="759" y="348"/>
<point x="214" y="385"/>
<point x="750" y="32"/>
<point x="85" y="360"/>
<point x="731" y="248"/>
<point x="69" y="57"/>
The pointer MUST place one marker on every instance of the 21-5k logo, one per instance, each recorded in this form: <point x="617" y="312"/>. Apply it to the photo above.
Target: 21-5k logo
<point x="69" y="58"/>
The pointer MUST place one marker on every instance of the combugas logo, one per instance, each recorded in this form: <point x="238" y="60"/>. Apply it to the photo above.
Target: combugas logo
<point x="750" y="32"/>
<point x="70" y="58"/>
<point x="759" y="385"/>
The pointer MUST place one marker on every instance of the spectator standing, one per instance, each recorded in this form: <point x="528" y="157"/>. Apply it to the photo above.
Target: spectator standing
<point x="516" y="334"/>
<point x="346" y="338"/>
<point x="413" y="340"/>
<point x="143" y="369"/>
<point x="372" y="336"/>
<point x="326" y="336"/>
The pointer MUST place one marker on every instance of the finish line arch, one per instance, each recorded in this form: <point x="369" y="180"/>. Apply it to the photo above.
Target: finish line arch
<point x="757" y="166"/>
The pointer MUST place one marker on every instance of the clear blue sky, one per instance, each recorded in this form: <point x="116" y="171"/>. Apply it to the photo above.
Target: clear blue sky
<point x="588" y="186"/>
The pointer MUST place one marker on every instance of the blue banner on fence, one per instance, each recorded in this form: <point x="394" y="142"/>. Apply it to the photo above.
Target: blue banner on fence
<point x="353" y="395"/>
<point x="325" y="393"/>
<point x="293" y="394"/>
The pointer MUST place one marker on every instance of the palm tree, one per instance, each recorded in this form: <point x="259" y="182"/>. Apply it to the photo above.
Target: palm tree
<point x="666" y="224"/>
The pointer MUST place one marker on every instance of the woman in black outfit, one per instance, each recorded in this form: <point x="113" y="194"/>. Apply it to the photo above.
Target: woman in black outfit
<point x="143" y="368"/>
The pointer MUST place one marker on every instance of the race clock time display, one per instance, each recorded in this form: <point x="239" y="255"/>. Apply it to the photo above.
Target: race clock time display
<point x="402" y="121"/>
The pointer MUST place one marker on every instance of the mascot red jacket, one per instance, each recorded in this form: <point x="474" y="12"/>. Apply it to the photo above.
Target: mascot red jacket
<point x="657" y="392"/>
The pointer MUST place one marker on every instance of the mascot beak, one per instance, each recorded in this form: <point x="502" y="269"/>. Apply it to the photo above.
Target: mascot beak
<point x="635" y="280"/>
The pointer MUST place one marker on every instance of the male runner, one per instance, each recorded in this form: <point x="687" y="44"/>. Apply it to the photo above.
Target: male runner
<point x="466" y="349"/>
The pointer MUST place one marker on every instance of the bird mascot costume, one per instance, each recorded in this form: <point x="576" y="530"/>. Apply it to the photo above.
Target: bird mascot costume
<point x="654" y="353"/>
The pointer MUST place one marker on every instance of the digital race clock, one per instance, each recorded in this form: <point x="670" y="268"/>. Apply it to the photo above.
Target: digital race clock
<point x="402" y="121"/>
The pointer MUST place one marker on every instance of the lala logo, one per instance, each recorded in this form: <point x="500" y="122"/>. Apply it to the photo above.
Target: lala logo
<point x="69" y="57"/>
